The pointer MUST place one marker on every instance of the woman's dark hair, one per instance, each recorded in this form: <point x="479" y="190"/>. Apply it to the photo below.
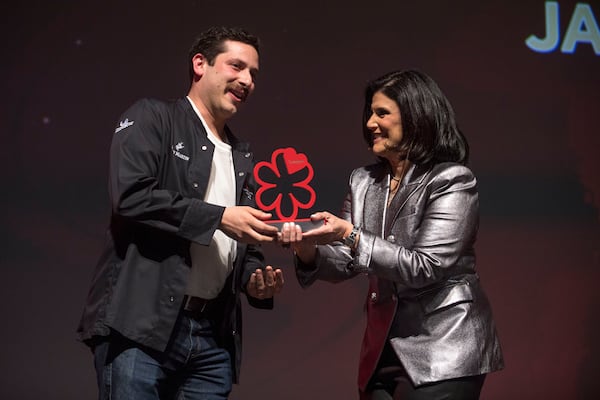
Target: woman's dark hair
<point x="430" y="134"/>
<point x="210" y="43"/>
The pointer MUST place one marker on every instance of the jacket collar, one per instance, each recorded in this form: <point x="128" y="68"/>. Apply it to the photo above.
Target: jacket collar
<point x="377" y="194"/>
<point x="242" y="157"/>
<point x="236" y="144"/>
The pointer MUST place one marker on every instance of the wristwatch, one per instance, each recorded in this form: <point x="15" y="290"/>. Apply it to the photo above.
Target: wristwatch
<point x="350" y="240"/>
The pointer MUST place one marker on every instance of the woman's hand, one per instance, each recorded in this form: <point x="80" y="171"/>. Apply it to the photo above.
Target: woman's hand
<point x="332" y="229"/>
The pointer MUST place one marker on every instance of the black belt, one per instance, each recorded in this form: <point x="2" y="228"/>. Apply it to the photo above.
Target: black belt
<point x="196" y="307"/>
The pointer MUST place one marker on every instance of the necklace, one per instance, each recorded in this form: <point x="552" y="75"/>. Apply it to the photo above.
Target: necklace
<point x="393" y="189"/>
<point x="394" y="185"/>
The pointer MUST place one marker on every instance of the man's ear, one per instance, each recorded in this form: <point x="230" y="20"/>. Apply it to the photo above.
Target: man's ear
<point x="199" y="64"/>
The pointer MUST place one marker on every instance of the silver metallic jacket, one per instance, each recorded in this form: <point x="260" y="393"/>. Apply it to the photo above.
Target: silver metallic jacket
<point x="424" y="294"/>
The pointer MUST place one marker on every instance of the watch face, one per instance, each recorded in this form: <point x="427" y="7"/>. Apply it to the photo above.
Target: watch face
<point x="351" y="238"/>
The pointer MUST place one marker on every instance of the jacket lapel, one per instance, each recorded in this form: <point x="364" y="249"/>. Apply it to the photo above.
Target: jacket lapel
<point x="414" y="177"/>
<point x="373" y="213"/>
<point x="243" y="165"/>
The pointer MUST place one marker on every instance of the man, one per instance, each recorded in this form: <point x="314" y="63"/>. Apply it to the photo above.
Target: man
<point x="163" y="313"/>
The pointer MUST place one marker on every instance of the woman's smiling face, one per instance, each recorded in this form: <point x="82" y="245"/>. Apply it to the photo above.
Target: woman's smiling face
<point x="385" y="124"/>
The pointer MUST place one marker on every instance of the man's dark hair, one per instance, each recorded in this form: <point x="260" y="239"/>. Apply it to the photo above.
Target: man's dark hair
<point x="210" y="43"/>
<point x="430" y="134"/>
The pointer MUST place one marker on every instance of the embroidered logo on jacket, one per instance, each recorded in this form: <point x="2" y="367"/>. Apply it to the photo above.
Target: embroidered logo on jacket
<point x="176" y="153"/>
<point x="124" y="124"/>
<point x="248" y="193"/>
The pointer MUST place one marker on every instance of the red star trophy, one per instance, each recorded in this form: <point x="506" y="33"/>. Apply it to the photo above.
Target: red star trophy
<point x="284" y="187"/>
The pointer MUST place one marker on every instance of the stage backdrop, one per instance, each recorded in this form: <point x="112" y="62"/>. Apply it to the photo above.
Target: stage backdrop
<point x="523" y="76"/>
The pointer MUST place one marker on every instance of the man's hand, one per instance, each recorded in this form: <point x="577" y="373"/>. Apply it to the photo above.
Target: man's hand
<point x="265" y="284"/>
<point x="291" y="234"/>
<point x="245" y="224"/>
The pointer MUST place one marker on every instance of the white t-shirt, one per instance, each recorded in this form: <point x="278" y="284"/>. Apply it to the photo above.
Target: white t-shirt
<point x="213" y="263"/>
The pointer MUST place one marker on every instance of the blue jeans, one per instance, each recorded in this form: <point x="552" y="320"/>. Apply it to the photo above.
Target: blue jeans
<point x="192" y="367"/>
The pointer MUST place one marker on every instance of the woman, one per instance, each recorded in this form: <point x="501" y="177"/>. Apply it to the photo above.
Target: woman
<point x="409" y="223"/>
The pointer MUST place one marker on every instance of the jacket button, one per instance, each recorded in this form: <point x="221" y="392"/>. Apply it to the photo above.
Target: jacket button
<point x="247" y="155"/>
<point x="373" y="296"/>
<point x="204" y="147"/>
<point x="240" y="173"/>
<point x="171" y="299"/>
<point x="391" y="238"/>
<point x="195" y="185"/>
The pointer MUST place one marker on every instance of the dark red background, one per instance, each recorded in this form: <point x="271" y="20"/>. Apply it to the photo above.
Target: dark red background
<point x="70" y="68"/>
